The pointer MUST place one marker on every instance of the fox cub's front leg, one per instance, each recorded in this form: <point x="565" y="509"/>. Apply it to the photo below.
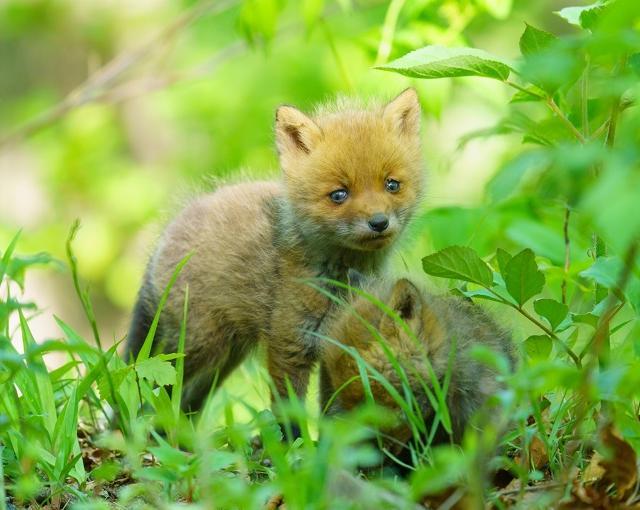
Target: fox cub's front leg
<point x="289" y="364"/>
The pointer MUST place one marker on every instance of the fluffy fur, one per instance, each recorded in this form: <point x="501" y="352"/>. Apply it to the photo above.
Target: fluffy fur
<point x="439" y="323"/>
<point x="254" y="243"/>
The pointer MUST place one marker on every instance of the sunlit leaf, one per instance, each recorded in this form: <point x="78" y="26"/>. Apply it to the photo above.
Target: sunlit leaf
<point x="534" y="40"/>
<point x="584" y="16"/>
<point x="458" y="262"/>
<point x="440" y="62"/>
<point x="156" y="370"/>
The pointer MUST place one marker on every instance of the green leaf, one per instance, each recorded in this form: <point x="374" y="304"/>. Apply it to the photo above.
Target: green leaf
<point x="18" y="265"/>
<point x="534" y="40"/>
<point x="506" y="182"/>
<point x="156" y="370"/>
<point x="6" y="256"/>
<point x="458" y="262"/>
<point x="585" y="16"/>
<point x="553" y="311"/>
<point x="522" y="277"/>
<point x="542" y="239"/>
<point x="531" y="93"/>
<point x="604" y="271"/>
<point x="477" y="293"/>
<point x="439" y="62"/>
<point x="503" y="257"/>
<point x="619" y="188"/>
<point x="538" y="346"/>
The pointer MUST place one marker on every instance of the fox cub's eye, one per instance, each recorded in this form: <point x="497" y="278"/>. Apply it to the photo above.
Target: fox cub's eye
<point x="392" y="185"/>
<point x="338" y="196"/>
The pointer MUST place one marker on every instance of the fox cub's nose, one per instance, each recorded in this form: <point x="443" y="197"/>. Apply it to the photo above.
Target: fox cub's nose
<point x="378" y="222"/>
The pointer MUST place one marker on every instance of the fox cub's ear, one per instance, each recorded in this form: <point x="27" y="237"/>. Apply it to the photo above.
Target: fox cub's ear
<point x="403" y="113"/>
<point x="407" y="302"/>
<point x="295" y="132"/>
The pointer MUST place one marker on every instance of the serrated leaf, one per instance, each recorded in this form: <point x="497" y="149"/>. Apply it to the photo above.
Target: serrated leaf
<point x="156" y="370"/>
<point x="534" y="40"/>
<point x="433" y="62"/>
<point x="585" y="16"/>
<point x="538" y="346"/>
<point x="553" y="311"/>
<point x="458" y="262"/>
<point x="522" y="277"/>
<point x="117" y="378"/>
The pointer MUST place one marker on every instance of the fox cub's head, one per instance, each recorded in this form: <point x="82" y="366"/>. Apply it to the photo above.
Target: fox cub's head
<point x="353" y="175"/>
<point x="411" y="350"/>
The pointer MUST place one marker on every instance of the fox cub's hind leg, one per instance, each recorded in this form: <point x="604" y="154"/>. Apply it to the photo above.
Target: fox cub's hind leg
<point x="205" y="370"/>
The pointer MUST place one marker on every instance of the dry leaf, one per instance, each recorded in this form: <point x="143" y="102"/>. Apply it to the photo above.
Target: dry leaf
<point x="620" y="463"/>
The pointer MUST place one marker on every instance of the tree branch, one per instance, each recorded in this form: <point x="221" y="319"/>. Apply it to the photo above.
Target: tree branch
<point x="97" y="85"/>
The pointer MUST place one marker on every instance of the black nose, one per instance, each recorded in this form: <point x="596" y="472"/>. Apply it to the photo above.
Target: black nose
<point x="378" y="222"/>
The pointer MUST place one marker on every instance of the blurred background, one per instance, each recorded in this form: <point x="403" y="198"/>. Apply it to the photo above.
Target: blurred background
<point x="114" y="112"/>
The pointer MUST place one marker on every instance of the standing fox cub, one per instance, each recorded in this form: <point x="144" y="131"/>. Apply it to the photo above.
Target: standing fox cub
<point x="352" y="178"/>
<point x="446" y="329"/>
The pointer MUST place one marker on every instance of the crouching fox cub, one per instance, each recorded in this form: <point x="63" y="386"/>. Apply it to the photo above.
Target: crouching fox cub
<point x="352" y="178"/>
<point x="446" y="329"/>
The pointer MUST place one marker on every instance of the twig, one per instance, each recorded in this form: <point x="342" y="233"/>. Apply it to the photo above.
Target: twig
<point x="615" y="111"/>
<point x="388" y="30"/>
<point x="94" y="87"/>
<point x="602" y="330"/>
<point x="555" y="109"/>
<point x="584" y="100"/>
<point x="531" y="488"/>
<point x="544" y="328"/>
<point x="567" y="254"/>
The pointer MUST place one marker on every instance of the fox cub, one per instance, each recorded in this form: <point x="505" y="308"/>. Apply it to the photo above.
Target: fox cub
<point x="352" y="178"/>
<point x="440" y="324"/>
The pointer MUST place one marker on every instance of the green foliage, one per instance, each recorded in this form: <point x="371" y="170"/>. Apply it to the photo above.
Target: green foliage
<point x="563" y="201"/>
<point x="439" y="62"/>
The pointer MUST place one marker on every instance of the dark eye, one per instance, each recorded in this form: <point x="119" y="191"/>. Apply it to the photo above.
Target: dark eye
<point x="338" y="196"/>
<point x="392" y="185"/>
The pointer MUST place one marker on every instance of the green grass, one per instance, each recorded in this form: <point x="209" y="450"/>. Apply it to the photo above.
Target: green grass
<point x="100" y="433"/>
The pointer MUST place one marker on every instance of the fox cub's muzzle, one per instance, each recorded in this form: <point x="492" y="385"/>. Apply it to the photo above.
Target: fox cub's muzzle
<point x="378" y="222"/>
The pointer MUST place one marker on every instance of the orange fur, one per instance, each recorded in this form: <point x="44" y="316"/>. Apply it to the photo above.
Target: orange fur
<point x="440" y="324"/>
<point x="254" y="243"/>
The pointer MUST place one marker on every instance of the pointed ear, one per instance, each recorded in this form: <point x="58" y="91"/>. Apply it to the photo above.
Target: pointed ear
<point x="403" y="113"/>
<point x="407" y="302"/>
<point x="296" y="133"/>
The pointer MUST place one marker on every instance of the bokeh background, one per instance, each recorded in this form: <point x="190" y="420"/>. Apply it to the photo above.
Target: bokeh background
<point x="116" y="111"/>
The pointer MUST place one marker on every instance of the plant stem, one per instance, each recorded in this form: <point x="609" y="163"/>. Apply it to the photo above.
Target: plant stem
<point x="544" y="328"/>
<point x="584" y="100"/>
<point x="567" y="254"/>
<point x="563" y="118"/>
<point x="388" y="30"/>
<point x="602" y="338"/>
<point x="522" y="89"/>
